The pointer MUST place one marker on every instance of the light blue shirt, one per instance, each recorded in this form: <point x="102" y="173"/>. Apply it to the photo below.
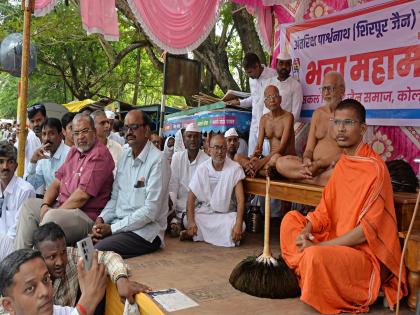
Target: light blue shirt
<point x="43" y="172"/>
<point x="142" y="209"/>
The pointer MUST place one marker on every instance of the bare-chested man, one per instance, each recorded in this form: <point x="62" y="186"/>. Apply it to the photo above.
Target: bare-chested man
<point x="322" y="150"/>
<point x="277" y="126"/>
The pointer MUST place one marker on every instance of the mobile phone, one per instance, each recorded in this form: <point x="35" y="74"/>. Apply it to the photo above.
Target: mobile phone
<point x="86" y="250"/>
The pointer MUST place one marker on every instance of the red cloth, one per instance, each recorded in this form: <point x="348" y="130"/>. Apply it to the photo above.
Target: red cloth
<point x="336" y="279"/>
<point x="91" y="172"/>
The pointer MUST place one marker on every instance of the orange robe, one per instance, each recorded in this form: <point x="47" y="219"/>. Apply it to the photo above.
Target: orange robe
<point x="336" y="279"/>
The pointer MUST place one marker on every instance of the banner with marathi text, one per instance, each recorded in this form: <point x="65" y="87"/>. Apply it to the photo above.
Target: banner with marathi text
<point x="376" y="46"/>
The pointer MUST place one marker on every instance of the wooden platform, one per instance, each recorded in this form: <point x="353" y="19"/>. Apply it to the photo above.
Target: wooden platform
<point x="202" y="271"/>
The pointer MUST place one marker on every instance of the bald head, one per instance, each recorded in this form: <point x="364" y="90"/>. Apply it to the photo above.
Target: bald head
<point x="272" y="98"/>
<point x="270" y="90"/>
<point x="218" y="149"/>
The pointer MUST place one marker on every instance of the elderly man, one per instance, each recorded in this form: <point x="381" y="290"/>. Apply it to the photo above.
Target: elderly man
<point x="213" y="215"/>
<point x="61" y="262"/>
<point x="258" y="75"/>
<point x="183" y="167"/>
<point x="103" y="131"/>
<point x="321" y="150"/>
<point x="25" y="285"/>
<point x="133" y="222"/>
<point x="66" y="122"/>
<point x="290" y="89"/>
<point x="82" y="185"/>
<point x="48" y="158"/>
<point x="345" y="251"/>
<point x="14" y="191"/>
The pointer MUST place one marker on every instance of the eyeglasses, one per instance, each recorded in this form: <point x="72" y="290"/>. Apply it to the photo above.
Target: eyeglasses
<point x="220" y="148"/>
<point x="270" y="98"/>
<point x="35" y="108"/>
<point x="328" y="88"/>
<point x="83" y="132"/>
<point x="132" y="127"/>
<point x="345" y="122"/>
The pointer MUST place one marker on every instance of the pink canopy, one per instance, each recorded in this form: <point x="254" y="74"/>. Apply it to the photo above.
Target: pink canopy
<point x="43" y="7"/>
<point x="177" y="26"/>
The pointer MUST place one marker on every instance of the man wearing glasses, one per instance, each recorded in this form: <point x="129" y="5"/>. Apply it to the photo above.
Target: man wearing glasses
<point x="81" y="188"/>
<point x="134" y="220"/>
<point x="321" y="150"/>
<point x="215" y="207"/>
<point x="14" y="191"/>
<point x="347" y="250"/>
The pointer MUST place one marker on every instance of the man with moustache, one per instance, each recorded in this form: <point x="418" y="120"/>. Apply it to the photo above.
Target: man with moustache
<point x="48" y="158"/>
<point x="347" y="250"/>
<point x="134" y="220"/>
<point x="14" y="191"/>
<point x="216" y="200"/>
<point x="321" y="150"/>
<point x="25" y="285"/>
<point x="103" y="130"/>
<point x="81" y="188"/>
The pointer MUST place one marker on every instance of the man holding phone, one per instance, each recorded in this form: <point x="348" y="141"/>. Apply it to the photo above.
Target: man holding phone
<point x="26" y="287"/>
<point x="61" y="262"/>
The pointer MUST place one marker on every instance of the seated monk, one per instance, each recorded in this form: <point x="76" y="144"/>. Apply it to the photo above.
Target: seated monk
<point x="347" y="250"/>
<point x="213" y="216"/>
<point x="277" y="126"/>
<point x="321" y="150"/>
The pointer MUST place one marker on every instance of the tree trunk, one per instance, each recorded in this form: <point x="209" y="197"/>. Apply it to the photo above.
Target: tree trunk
<point x="137" y="79"/>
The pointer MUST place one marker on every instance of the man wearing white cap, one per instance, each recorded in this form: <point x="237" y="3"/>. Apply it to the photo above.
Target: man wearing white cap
<point x="113" y="135"/>
<point x="290" y="89"/>
<point x="258" y="75"/>
<point x="183" y="166"/>
<point x="234" y="144"/>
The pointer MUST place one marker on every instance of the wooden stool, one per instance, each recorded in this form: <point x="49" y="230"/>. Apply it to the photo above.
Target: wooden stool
<point x="412" y="261"/>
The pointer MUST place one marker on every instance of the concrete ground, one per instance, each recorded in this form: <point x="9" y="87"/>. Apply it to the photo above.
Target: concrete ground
<point x="201" y="271"/>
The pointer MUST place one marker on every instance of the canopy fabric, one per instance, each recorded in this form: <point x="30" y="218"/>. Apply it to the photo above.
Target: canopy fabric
<point x="76" y="106"/>
<point x="176" y="26"/>
<point x="43" y="7"/>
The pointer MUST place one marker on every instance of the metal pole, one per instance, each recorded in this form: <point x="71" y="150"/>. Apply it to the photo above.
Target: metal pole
<point x="27" y="7"/>
<point x="162" y="114"/>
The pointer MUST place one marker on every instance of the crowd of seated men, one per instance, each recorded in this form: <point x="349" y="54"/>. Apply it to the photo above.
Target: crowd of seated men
<point x="83" y="179"/>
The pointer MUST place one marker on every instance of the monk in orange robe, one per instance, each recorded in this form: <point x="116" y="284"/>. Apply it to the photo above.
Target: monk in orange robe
<point x="347" y="250"/>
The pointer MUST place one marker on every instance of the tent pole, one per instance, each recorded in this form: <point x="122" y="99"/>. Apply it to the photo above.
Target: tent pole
<point x="162" y="114"/>
<point x="27" y="6"/>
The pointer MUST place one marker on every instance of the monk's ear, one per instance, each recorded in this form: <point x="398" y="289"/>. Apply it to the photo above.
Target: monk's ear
<point x="364" y="129"/>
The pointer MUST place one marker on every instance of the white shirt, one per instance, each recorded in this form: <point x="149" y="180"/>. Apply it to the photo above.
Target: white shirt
<point x="16" y="192"/>
<point x="291" y="95"/>
<point x="256" y="100"/>
<point x="117" y="138"/>
<point x="243" y="147"/>
<point x="182" y="172"/>
<point x="65" y="310"/>
<point x="115" y="149"/>
<point x="32" y="143"/>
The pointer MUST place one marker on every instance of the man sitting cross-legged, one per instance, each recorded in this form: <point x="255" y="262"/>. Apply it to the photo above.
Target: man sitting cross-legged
<point x="81" y="188"/>
<point x="183" y="166"/>
<point x="61" y="262"/>
<point x="345" y="251"/>
<point x="211" y="210"/>
<point x="133" y="221"/>
<point x="277" y="126"/>
<point x="25" y="285"/>
<point x="321" y="150"/>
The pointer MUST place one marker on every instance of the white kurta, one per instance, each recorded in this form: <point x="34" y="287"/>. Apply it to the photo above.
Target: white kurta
<point x="256" y="100"/>
<point x="31" y="145"/>
<point x="215" y="212"/>
<point x="182" y="170"/>
<point x="117" y="138"/>
<point x="179" y="142"/>
<point x="291" y="95"/>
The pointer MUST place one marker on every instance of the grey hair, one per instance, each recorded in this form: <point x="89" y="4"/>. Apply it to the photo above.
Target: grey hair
<point x="10" y="265"/>
<point x="97" y="113"/>
<point x="338" y="77"/>
<point x="85" y="117"/>
<point x="8" y="150"/>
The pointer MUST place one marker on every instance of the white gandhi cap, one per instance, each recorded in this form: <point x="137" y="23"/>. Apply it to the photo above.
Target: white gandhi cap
<point x="109" y="114"/>
<point x="231" y="133"/>
<point x="284" y="55"/>
<point x="192" y="128"/>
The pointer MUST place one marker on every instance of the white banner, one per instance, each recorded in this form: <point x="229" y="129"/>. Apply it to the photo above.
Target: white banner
<point x="375" y="46"/>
